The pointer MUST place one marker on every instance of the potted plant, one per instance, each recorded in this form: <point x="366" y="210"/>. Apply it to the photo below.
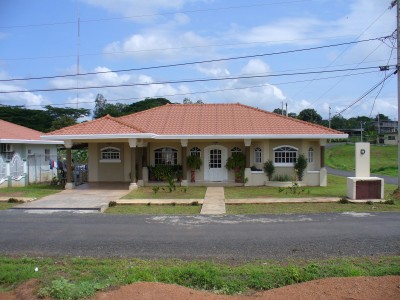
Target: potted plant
<point x="269" y="169"/>
<point x="237" y="163"/>
<point x="300" y="166"/>
<point x="194" y="163"/>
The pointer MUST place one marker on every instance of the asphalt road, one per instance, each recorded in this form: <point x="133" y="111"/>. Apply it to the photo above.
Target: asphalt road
<point x="200" y="237"/>
<point x="388" y="179"/>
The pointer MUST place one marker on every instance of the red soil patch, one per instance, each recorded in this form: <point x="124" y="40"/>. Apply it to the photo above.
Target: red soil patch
<point x="355" y="288"/>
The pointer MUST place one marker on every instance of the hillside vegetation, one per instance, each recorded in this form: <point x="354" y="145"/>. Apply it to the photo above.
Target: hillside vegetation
<point x="383" y="158"/>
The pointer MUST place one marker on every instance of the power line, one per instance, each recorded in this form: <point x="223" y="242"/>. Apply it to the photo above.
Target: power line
<point x="213" y="91"/>
<point x="192" y="63"/>
<point x="368" y="92"/>
<point x="186" y="81"/>
<point x="151" y="15"/>
<point x="344" y="50"/>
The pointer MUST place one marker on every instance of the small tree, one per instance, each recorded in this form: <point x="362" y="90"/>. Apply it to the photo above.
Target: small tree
<point x="269" y="168"/>
<point x="194" y="163"/>
<point x="300" y="166"/>
<point x="237" y="163"/>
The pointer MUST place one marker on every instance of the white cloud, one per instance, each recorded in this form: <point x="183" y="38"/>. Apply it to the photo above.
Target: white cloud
<point x="123" y="94"/>
<point x="24" y="98"/>
<point x="157" y="44"/>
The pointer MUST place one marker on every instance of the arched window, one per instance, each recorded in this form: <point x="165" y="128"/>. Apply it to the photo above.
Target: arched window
<point x="236" y="150"/>
<point x="311" y="155"/>
<point x="165" y="156"/>
<point x="111" y="154"/>
<point x="258" y="155"/>
<point x="285" y="155"/>
<point x="195" y="151"/>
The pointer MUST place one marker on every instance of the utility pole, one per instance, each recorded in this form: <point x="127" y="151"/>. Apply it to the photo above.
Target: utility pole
<point x="361" y="130"/>
<point x="329" y="117"/>
<point x="398" y="94"/>
<point x="286" y="110"/>
<point x="393" y="3"/>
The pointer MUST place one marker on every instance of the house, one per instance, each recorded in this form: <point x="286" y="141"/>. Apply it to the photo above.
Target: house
<point x="24" y="156"/>
<point x="166" y="135"/>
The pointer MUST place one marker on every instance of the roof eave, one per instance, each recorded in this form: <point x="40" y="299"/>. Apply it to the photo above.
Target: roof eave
<point x="97" y="136"/>
<point x="253" y="136"/>
<point x="34" y="142"/>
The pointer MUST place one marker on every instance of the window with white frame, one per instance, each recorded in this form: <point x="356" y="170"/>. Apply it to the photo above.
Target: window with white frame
<point x="258" y="155"/>
<point x="195" y="151"/>
<point x="285" y="156"/>
<point x="391" y="137"/>
<point x="311" y="155"/>
<point x="110" y="154"/>
<point x="236" y="150"/>
<point x="165" y="156"/>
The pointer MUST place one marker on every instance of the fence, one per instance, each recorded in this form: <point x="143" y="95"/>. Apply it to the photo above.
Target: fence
<point x="13" y="173"/>
<point x="41" y="168"/>
<point x="47" y="168"/>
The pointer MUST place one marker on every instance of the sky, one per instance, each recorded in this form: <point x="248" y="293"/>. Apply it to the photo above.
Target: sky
<point x="185" y="48"/>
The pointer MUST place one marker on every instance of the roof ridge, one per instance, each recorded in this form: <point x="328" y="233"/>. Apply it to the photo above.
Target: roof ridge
<point x="294" y="119"/>
<point x="125" y="123"/>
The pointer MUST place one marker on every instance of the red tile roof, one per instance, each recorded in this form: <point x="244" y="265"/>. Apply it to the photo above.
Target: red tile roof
<point x="104" y="125"/>
<point x="199" y="119"/>
<point x="11" y="131"/>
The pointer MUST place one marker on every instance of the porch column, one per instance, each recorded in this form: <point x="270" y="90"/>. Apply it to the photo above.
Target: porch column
<point x="145" y="170"/>
<point x="322" y="151"/>
<point x="247" y="170"/>
<point x="69" y="185"/>
<point x="132" y="145"/>
<point x="184" y="144"/>
<point x="323" y="174"/>
<point x="139" y="160"/>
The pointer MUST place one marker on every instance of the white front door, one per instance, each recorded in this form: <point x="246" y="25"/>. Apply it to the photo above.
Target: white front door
<point x="214" y="163"/>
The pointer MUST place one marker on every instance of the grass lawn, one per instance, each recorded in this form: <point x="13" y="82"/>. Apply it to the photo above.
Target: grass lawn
<point x="6" y="205"/>
<point x="155" y="209"/>
<point x="193" y="192"/>
<point x="337" y="187"/>
<point x="383" y="158"/>
<point x="31" y="191"/>
<point x="304" y="208"/>
<point x="77" y="278"/>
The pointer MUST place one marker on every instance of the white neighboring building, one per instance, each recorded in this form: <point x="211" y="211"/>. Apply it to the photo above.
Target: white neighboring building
<point x="16" y="140"/>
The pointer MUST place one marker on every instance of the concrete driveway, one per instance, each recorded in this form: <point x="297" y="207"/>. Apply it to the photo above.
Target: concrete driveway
<point x="88" y="197"/>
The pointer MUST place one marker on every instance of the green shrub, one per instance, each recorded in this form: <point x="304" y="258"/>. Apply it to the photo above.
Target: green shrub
<point x="112" y="204"/>
<point x="282" y="178"/>
<point x="155" y="189"/>
<point x="344" y="200"/>
<point x="300" y="166"/>
<point x="269" y="169"/>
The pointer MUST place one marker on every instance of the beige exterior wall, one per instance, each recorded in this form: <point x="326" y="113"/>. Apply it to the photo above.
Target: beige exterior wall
<point x="108" y="171"/>
<point x="99" y="171"/>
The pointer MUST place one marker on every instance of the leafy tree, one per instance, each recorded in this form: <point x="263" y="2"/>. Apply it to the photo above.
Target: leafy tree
<point x="188" y="101"/>
<point x="73" y="113"/>
<point x="382" y="117"/>
<point x="279" y="111"/>
<point x="292" y="115"/>
<point x="62" y="122"/>
<point x="32" y="118"/>
<point x="100" y="104"/>
<point x="310" y="115"/>
<point x="338" y="122"/>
